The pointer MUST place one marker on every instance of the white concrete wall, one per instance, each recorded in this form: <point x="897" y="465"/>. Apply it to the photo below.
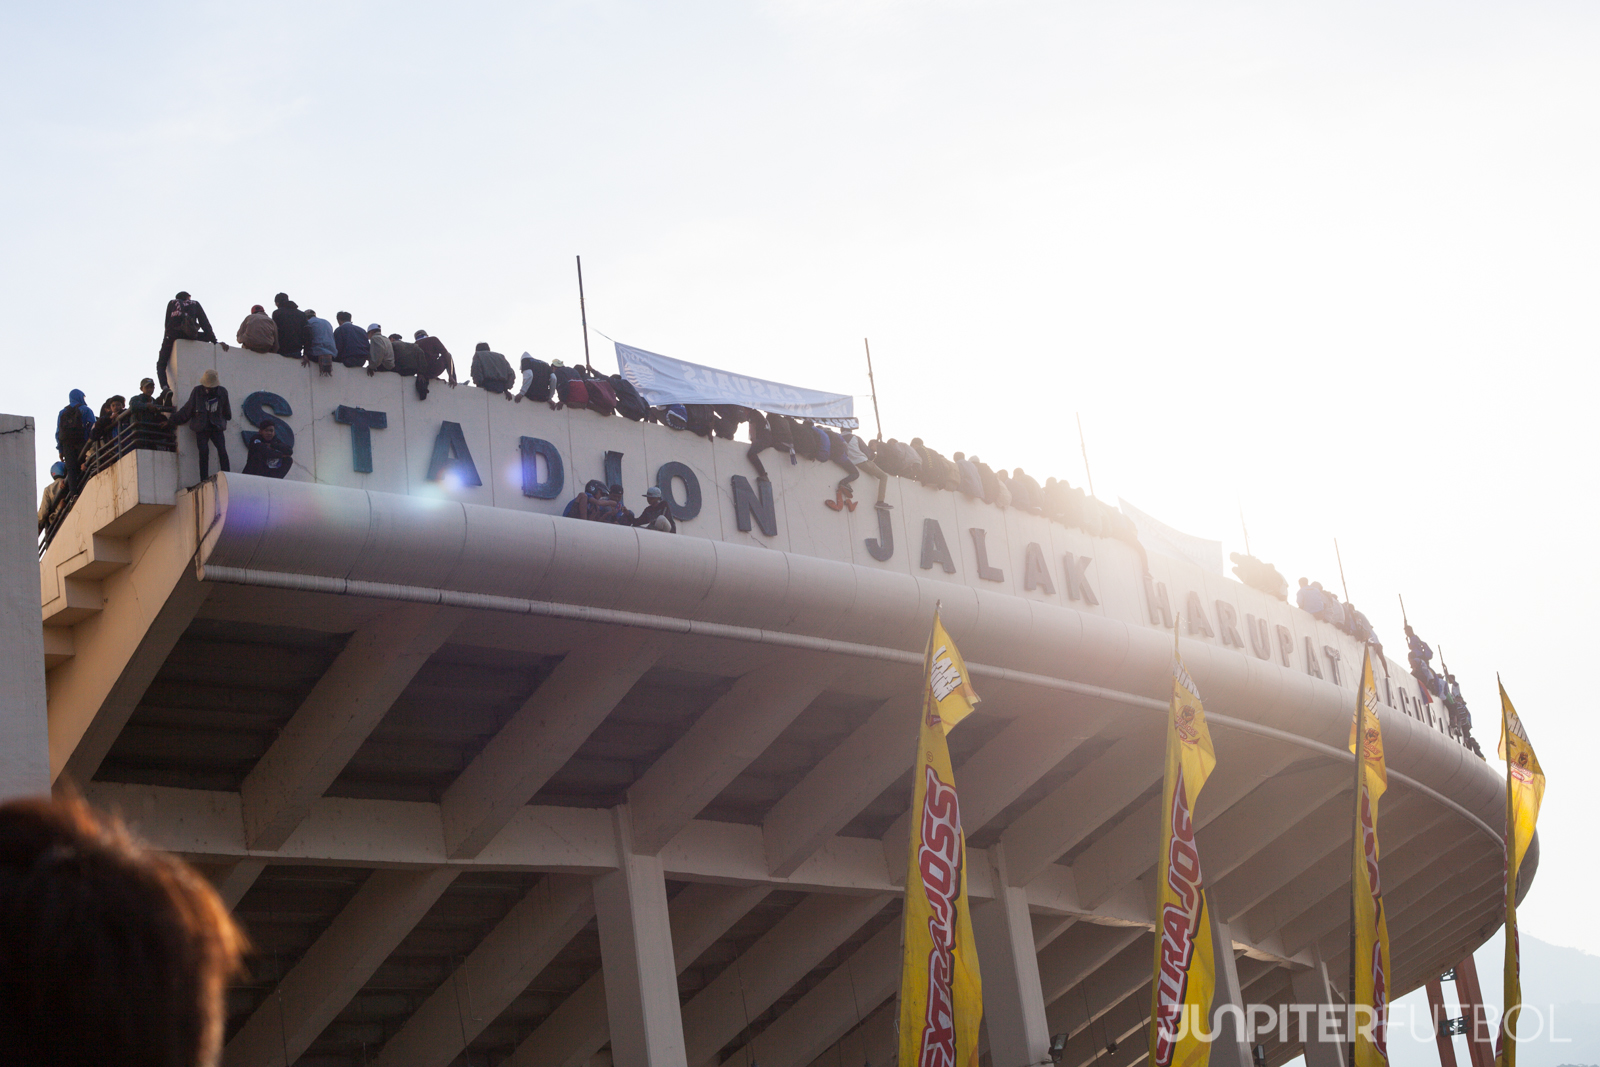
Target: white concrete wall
<point x="24" y="741"/>
<point x="492" y="427"/>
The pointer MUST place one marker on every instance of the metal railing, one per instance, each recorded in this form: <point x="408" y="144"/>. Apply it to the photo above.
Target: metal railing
<point x="131" y="431"/>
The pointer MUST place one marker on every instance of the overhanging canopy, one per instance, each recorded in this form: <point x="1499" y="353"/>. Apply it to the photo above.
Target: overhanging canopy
<point x="662" y="380"/>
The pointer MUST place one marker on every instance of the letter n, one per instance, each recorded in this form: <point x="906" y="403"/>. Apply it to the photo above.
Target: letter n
<point x="746" y="503"/>
<point x="451" y="456"/>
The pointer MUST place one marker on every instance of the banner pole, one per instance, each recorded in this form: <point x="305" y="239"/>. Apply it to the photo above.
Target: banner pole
<point x="1355" y="841"/>
<point x="1085" y="446"/>
<point x="873" y="382"/>
<point x="583" y="313"/>
<point x="1343" y="584"/>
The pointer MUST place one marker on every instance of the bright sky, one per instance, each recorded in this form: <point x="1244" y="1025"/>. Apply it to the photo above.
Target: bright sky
<point x="1332" y="263"/>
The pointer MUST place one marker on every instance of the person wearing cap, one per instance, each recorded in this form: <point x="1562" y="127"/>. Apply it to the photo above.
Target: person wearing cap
<point x="350" y="342"/>
<point x="439" y="362"/>
<point x="319" y="343"/>
<point x="613" y="510"/>
<point x="145" y="410"/>
<point x="492" y="371"/>
<point x="208" y="413"/>
<point x="380" y="351"/>
<point x="657" y="514"/>
<point x="185" y="320"/>
<point x="257" y="332"/>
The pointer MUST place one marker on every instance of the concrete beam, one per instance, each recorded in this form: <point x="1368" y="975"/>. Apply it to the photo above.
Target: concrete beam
<point x="542" y="735"/>
<point x="1260" y="819"/>
<point x="723" y="741"/>
<point x="236" y="878"/>
<point x="494" y="974"/>
<point x="575" y="1032"/>
<point x="1080" y="952"/>
<point x="1128" y="850"/>
<point x="1075" y="809"/>
<point x="1001" y="771"/>
<point x="770" y="967"/>
<point x="383" y="911"/>
<point x="337" y="716"/>
<point x="874" y="1041"/>
<point x="1101" y="990"/>
<point x="841" y="785"/>
<point x="832" y="1007"/>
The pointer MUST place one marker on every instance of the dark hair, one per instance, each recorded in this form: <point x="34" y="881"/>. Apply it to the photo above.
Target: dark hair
<point x="310" y="314"/>
<point x="343" y="316"/>
<point x="281" y="298"/>
<point x="182" y="295"/>
<point x="109" y="952"/>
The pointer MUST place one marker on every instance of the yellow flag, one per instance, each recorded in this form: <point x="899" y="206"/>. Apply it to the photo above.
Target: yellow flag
<point x="941" y="993"/>
<point x="1185" y="969"/>
<point x="1524" y="793"/>
<point x="1370" y="957"/>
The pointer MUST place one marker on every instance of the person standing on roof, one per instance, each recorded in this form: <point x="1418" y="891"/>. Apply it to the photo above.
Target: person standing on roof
<point x="186" y="321"/>
<point x="258" y="333"/>
<point x="319" y="343"/>
<point x="350" y="345"/>
<point x="208" y="413"/>
<point x="73" y="425"/>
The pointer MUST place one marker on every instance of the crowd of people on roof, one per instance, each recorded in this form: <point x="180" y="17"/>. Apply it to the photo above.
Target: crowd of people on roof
<point x="1325" y="605"/>
<point x="1441" y="686"/>
<point x="600" y="502"/>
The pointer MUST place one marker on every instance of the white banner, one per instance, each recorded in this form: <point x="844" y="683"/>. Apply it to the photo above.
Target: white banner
<point x="662" y="380"/>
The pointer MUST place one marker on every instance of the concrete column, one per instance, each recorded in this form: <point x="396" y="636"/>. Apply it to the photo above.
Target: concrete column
<point x="24" y="730"/>
<point x="1231" y="1047"/>
<point x="1313" y="987"/>
<point x="641" y="977"/>
<point x="1013" y="1001"/>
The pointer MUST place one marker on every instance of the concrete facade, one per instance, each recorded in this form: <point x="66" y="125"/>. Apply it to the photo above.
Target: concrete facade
<point x="491" y="785"/>
<point x="24" y="744"/>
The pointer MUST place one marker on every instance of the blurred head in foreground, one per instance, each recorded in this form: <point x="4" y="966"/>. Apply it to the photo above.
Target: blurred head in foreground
<point x="109" y="953"/>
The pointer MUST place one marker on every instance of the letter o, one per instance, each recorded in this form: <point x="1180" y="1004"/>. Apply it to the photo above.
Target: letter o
<point x="691" y="490"/>
<point x="936" y="874"/>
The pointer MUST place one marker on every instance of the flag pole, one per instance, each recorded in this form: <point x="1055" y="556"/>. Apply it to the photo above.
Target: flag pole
<point x="1343" y="584"/>
<point x="1355" y="838"/>
<point x="583" y="313"/>
<point x="873" y="382"/>
<point x="1245" y="528"/>
<point x="1085" y="446"/>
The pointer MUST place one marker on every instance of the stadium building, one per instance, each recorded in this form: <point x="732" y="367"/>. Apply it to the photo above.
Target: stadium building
<point x="489" y="786"/>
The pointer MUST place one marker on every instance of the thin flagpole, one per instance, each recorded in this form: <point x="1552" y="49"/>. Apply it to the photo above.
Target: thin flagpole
<point x="1083" y="444"/>
<point x="1342" y="582"/>
<point x="583" y="313"/>
<point x="1355" y="832"/>
<point x="873" y="382"/>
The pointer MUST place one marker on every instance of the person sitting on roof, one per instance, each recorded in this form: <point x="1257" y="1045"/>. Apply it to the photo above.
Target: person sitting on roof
<point x="587" y="502"/>
<point x="350" y="344"/>
<point x="258" y="333"/>
<point x="968" y="482"/>
<point x="380" y="351"/>
<point x="437" y="361"/>
<point x="320" y="345"/>
<point x="1026" y="492"/>
<point x="1420" y="656"/>
<point x="615" y="511"/>
<point x="267" y="456"/>
<point x="1258" y="575"/>
<point x="492" y="371"/>
<point x="1309" y="597"/>
<point x="850" y="452"/>
<point x="657" y="514"/>
<point x="768" y="431"/>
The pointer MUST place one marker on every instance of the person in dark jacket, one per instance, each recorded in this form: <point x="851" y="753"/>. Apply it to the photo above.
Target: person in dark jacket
<point x="350" y="345"/>
<point x="185" y="320"/>
<point x="146" y="411"/>
<point x="492" y="371"/>
<point x="73" y="426"/>
<point x="266" y="455"/>
<point x="986" y="478"/>
<point x="291" y="323"/>
<point x="408" y="358"/>
<point x="657" y="514"/>
<point x="319" y="343"/>
<point x="258" y="333"/>
<point x="1026" y="493"/>
<point x="769" y="431"/>
<point x="439" y="362"/>
<point x="587" y="503"/>
<point x="971" y="482"/>
<point x="208" y="413"/>
<point x="54" y="494"/>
